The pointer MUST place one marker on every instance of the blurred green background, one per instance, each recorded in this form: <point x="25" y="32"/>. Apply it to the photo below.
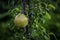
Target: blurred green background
<point x="43" y="15"/>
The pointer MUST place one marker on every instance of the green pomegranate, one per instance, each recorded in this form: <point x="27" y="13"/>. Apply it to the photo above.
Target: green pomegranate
<point x="21" y="20"/>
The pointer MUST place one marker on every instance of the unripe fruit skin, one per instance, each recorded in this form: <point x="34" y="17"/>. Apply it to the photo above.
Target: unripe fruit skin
<point x="21" y="20"/>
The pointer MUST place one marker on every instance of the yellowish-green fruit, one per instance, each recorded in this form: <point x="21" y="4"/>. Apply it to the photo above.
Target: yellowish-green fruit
<point x="21" y="20"/>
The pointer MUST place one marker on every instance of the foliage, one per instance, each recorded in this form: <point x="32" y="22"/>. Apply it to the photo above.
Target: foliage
<point x="40" y="14"/>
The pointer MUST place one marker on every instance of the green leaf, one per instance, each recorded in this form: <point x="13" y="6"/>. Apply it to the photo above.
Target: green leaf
<point x="47" y="16"/>
<point x="52" y="6"/>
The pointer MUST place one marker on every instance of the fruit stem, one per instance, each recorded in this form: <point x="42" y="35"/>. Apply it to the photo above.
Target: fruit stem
<point x="24" y="12"/>
<point x="23" y="6"/>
